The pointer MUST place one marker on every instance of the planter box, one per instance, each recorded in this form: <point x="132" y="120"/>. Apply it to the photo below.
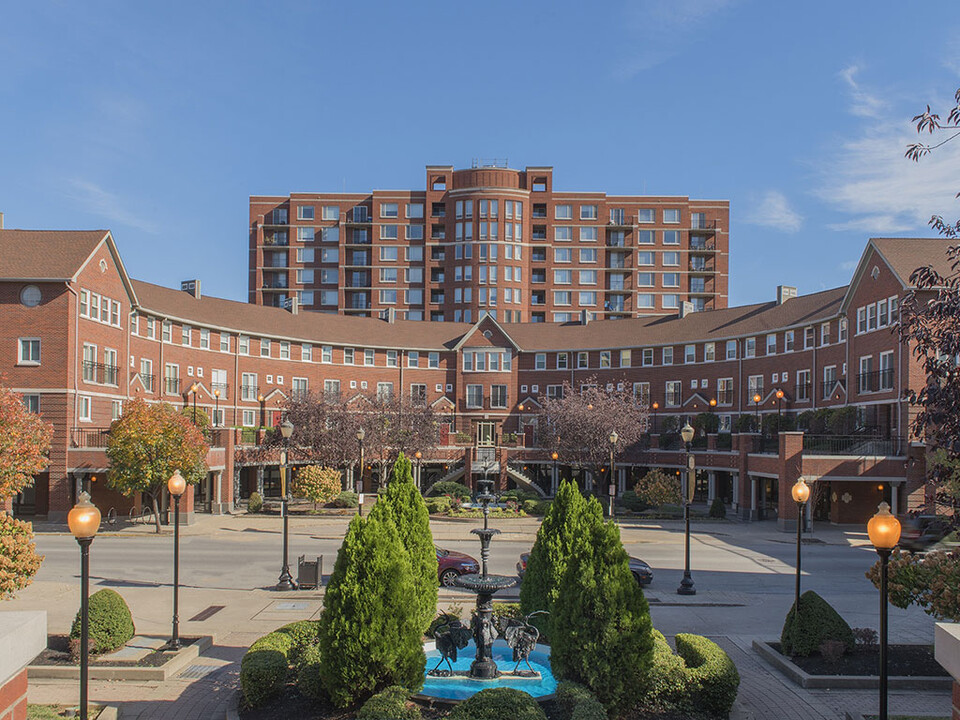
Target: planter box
<point x="844" y="682"/>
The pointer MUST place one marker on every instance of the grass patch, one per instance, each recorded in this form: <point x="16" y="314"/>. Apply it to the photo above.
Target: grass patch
<point x="59" y="712"/>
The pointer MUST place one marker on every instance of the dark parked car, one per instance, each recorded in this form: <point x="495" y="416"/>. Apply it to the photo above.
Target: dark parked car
<point x="452" y="565"/>
<point x="922" y="531"/>
<point x="642" y="572"/>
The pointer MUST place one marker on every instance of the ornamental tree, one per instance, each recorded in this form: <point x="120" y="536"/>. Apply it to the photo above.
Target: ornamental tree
<point x="579" y="422"/>
<point x="403" y="505"/>
<point x="658" y="488"/>
<point x="24" y="444"/>
<point x="147" y="445"/>
<point x="370" y="630"/>
<point x="317" y="484"/>
<point x="562" y="529"/>
<point x="931" y="581"/>
<point x="19" y="560"/>
<point x="600" y="630"/>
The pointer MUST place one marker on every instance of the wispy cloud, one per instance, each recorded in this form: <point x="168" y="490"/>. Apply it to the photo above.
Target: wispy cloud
<point x="97" y="201"/>
<point x="662" y="29"/>
<point x="849" y="265"/>
<point x="862" y="102"/>
<point x="771" y="209"/>
<point x="868" y="179"/>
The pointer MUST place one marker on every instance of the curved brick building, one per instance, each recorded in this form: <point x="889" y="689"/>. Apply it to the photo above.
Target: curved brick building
<point x="79" y="338"/>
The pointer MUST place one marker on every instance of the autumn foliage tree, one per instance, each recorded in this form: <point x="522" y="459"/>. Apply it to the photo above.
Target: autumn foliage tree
<point x="147" y="445"/>
<point x="658" y="488"/>
<point x="24" y="452"/>
<point x="316" y="484"/>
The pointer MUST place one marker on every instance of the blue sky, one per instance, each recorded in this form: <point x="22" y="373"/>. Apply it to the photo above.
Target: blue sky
<point x="159" y="120"/>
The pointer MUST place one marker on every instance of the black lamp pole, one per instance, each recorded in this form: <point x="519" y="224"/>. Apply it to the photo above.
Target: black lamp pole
<point x="613" y="477"/>
<point x="84" y="622"/>
<point x="884" y="532"/>
<point x="175" y="637"/>
<point x="686" y="584"/>
<point x="359" y="481"/>
<point x="285" y="581"/>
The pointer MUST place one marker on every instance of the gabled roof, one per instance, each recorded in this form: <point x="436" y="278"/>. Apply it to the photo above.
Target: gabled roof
<point x="46" y="254"/>
<point x="486" y="320"/>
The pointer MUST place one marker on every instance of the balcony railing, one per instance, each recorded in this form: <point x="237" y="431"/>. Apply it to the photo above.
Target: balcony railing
<point x="854" y="445"/>
<point x="875" y="381"/>
<point x="698" y="224"/>
<point x="802" y="392"/>
<point x="224" y="389"/>
<point x="827" y="386"/>
<point x="100" y="373"/>
<point x="147" y="381"/>
<point x="725" y="397"/>
<point x="702" y="246"/>
<point x="89" y="437"/>
<point x="249" y="392"/>
<point x="277" y="240"/>
<point x="171" y="385"/>
<point x="217" y="437"/>
<point x="276" y="284"/>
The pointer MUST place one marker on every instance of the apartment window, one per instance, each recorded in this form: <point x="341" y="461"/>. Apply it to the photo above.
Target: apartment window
<point x="388" y="297"/>
<point x="588" y="212"/>
<point x="865" y="380"/>
<point x="151" y="328"/>
<point x="808" y="337"/>
<point x="368" y="356"/>
<point x="115" y="314"/>
<point x="29" y="351"/>
<point x="562" y="255"/>
<point x="433" y="360"/>
<point x="588" y="255"/>
<point x="725" y="391"/>
<point x="731" y="349"/>
<point x="671" y="216"/>
<point x="305" y="212"/>
<point x="754" y="386"/>
<point x="171" y="376"/>
<point x="474" y="396"/>
<point x="671" y="279"/>
<point x="328" y="297"/>
<point x="825" y="333"/>
<point x="389" y="232"/>
<point x="388" y="275"/>
<point x="671" y="237"/>
<point x="645" y="301"/>
<point x="588" y="277"/>
<point x="330" y="212"/>
<point x="625" y="358"/>
<point x="284" y="350"/>
<point x="306" y="352"/>
<point x="645" y="257"/>
<point x="167" y="331"/>
<point x="243" y="345"/>
<point x="709" y="352"/>
<point x="788" y="341"/>
<point x="326" y="354"/>
<point x="645" y="215"/>
<point x="392" y="358"/>
<point x="563" y="361"/>
<point x="249" y="418"/>
<point x="666" y="355"/>
<point x="674" y="393"/>
<point x="587" y="298"/>
<point x="886" y="370"/>
<point x="111" y="371"/>
<point x="85" y="408"/>
<point x="498" y="396"/>
<point x="562" y="277"/>
<point x="332" y="255"/>
<point x="750" y="347"/>
<point x="563" y="233"/>
<point x="803" y="385"/>
<point x="563" y="212"/>
<point x="689" y="354"/>
<point x="604" y="358"/>
<point x="388" y="210"/>
<point x="772" y="344"/>
<point x="224" y="342"/>
<point x="306" y="234"/>
<point x="264" y="347"/>
<point x="588" y="234"/>
<point x="540" y="361"/>
<point x="861" y="320"/>
<point x="671" y="258"/>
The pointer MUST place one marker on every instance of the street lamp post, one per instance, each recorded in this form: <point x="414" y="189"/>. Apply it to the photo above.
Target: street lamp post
<point x="418" y="455"/>
<point x="655" y="406"/>
<point x="756" y="406"/>
<point x="686" y="584"/>
<point x="176" y="486"/>
<point x="84" y="521"/>
<point x="521" y="408"/>
<point x="801" y="493"/>
<point x="216" y="412"/>
<point x="285" y="581"/>
<point x="612" y="490"/>
<point x="359" y="481"/>
<point x="193" y="391"/>
<point x="779" y="406"/>
<point x="263" y="410"/>
<point x="884" y="532"/>
<point x="556" y="481"/>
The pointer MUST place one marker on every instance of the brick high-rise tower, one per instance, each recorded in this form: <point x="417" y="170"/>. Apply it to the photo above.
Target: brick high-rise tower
<point x="489" y="239"/>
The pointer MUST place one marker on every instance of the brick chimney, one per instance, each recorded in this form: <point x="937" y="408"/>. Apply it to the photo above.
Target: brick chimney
<point x="191" y="287"/>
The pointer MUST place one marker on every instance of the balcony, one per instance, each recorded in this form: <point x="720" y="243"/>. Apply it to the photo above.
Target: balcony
<point x="359" y="216"/>
<point x="700" y="265"/>
<point x="875" y="381"/>
<point x="89" y="437"/>
<point x="854" y="445"/>
<point x="278" y="283"/>
<point x="725" y="397"/>
<point x="222" y="388"/>
<point x="276" y="239"/>
<point x="699" y="245"/>
<point x="702" y="225"/>
<point x="249" y="392"/>
<point x="100" y="373"/>
<point x="171" y="385"/>
<point x="802" y="392"/>
<point x="620" y="220"/>
<point x="539" y="211"/>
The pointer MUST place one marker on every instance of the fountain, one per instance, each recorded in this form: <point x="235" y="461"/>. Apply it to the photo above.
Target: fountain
<point x="519" y="636"/>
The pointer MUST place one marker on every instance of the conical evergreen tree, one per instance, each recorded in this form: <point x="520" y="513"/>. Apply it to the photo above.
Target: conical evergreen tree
<point x="403" y="505"/>
<point x="369" y="635"/>
<point x="601" y="634"/>
<point x="562" y="528"/>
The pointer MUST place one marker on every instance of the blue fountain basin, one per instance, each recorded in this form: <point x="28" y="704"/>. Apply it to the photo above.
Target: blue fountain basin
<point x="460" y="688"/>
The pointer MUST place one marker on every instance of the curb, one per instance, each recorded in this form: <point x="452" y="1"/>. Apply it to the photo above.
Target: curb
<point x="233" y="709"/>
<point x="162" y="673"/>
<point x="845" y="682"/>
<point x="110" y="712"/>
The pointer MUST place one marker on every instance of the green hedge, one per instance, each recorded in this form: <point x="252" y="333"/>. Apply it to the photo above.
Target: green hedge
<point x="255" y="503"/>
<point x="438" y="505"/>
<point x="111" y="624"/>
<point x="264" y="668"/>
<point x="712" y="677"/>
<point x="308" y="676"/>
<point x="718" y="509"/>
<point x="303" y="635"/>
<point x="498" y="704"/>
<point x="450" y="487"/>
<point x="590" y="709"/>
<point x="569" y="695"/>
<point x="536" y="507"/>
<point x="700" y="677"/>
<point x="389" y="704"/>
<point x="346" y="499"/>
<point x="817" y="621"/>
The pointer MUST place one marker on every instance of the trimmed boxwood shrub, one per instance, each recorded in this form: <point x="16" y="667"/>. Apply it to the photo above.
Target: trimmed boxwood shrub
<point x="451" y="488"/>
<point x="303" y="634"/>
<point x="389" y="704"/>
<point x="712" y="678"/>
<point x="804" y="632"/>
<point x="718" y="509"/>
<point x="631" y="501"/>
<point x="665" y="683"/>
<point x="498" y="704"/>
<point x="346" y="499"/>
<point x="111" y="624"/>
<point x="568" y="695"/>
<point x="536" y="507"/>
<point x="308" y="677"/>
<point x="438" y="505"/>
<point x="589" y="709"/>
<point x="255" y="503"/>
<point x="264" y="668"/>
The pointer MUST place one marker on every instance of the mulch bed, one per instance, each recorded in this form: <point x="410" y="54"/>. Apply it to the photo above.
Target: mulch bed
<point x="902" y="661"/>
<point x="57" y="652"/>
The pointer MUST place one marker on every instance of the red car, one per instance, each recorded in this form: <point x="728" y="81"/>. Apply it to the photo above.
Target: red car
<point x="642" y="572"/>
<point x="452" y="564"/>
